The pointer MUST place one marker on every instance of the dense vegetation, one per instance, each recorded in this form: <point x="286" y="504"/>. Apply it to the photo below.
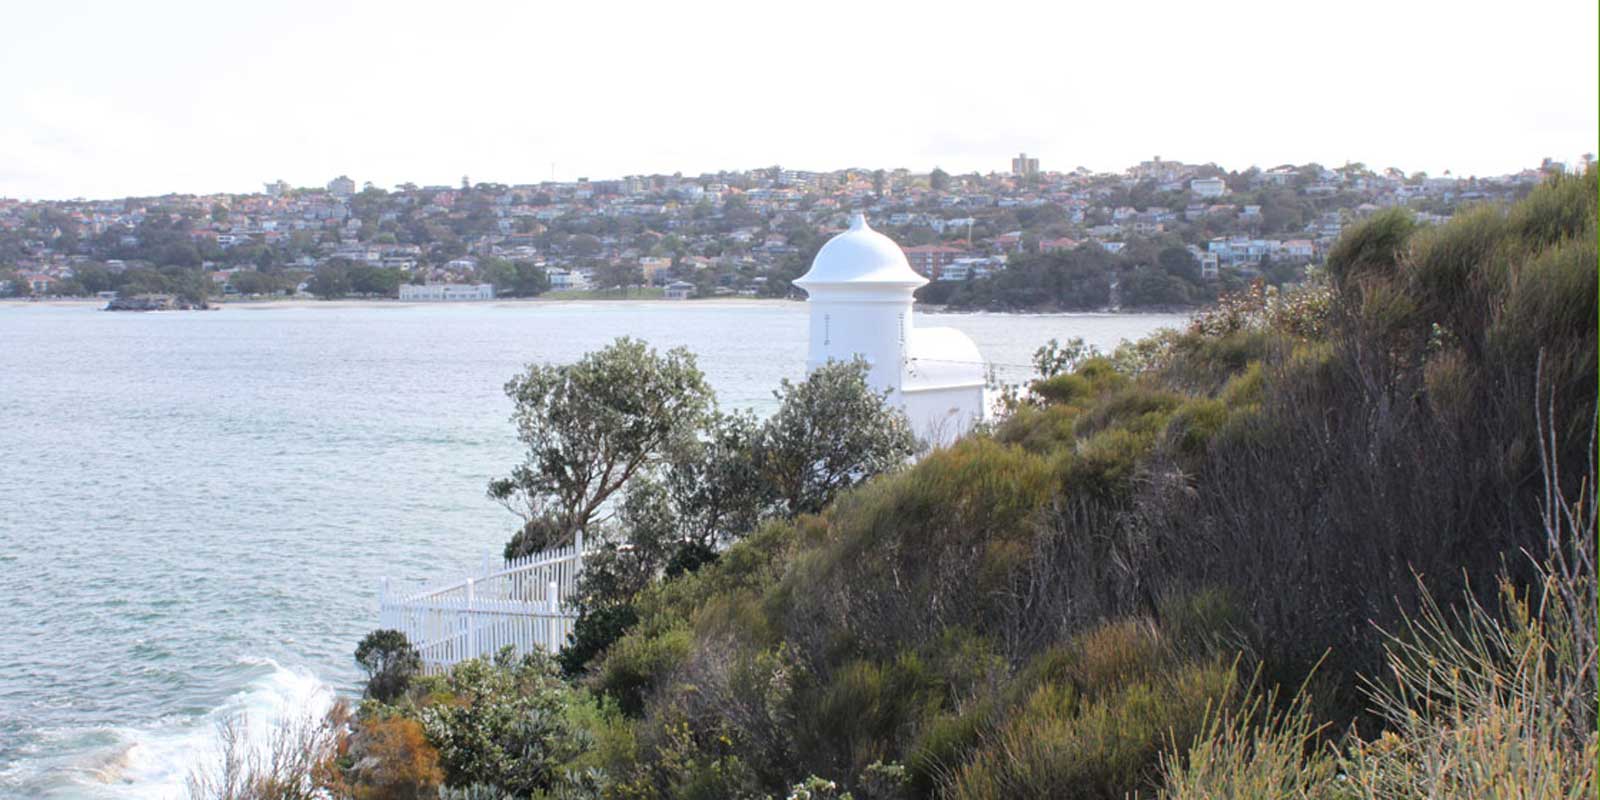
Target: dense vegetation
<point x="1149" y="273"/>
<point x="1331" y="543"/>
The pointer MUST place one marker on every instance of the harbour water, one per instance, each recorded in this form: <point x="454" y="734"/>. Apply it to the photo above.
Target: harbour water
<point x="196" y="507"/>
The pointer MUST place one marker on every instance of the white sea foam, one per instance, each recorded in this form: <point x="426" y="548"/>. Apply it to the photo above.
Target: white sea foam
<point x="154" y="763"/>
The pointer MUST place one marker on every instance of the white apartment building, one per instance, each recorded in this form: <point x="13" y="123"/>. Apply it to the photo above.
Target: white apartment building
<point x="561" y="279"/>
<point x="446" y="291"/>
<point x="1208" y="187"/>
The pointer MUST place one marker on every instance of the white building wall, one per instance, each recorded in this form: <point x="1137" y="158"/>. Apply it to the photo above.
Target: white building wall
<point x="942" y="415"/>
<point x="873" y="328"/>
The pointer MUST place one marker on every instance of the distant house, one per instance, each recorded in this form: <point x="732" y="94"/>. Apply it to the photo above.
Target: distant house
<point x="1208" y="187"/>
<point x="653" y="267"/>
<point x="38" y="282"/>
<point x="1281" y="176"/>
<point x="679" y="290"/>
<point x="564" y="279"/>
<point x="446" y="291"/>
<point x="1299" y="249"/>
<point x="1057" y="245"/>
<point x="963" y="269"/>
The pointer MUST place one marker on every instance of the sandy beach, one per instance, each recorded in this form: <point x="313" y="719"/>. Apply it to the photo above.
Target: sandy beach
<point x="297" y="302"/>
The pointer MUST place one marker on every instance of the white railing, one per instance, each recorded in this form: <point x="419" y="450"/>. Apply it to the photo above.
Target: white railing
<point x="524" y="604"/>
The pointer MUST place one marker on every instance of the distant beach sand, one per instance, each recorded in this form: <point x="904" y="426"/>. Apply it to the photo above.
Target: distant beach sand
<point x="296" y="303"/>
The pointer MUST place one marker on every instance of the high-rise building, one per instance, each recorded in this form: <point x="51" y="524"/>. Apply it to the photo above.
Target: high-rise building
<point x="930" y="260"/>
<point x="342" y="186"/>
<point x="1024" y="167"/>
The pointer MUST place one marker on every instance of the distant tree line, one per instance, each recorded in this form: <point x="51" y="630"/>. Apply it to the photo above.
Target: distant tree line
<point x="1145" y="274"/>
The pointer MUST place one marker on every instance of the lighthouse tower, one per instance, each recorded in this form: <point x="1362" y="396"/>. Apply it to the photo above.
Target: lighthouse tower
<point x="860" y="294"/>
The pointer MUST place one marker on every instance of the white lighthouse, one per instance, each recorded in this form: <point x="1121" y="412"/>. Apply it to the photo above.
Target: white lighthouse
<point x="859" y="289"/>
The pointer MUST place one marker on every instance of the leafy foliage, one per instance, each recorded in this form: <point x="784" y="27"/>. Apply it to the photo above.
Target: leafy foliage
<point x="591" y="426"/>
<point x="501" y="724"/>
<point x="830" y="433"/>
<point x="390" y="663"/>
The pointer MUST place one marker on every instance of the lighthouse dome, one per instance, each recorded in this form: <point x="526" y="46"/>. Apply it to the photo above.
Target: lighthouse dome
<point x="860" y="258"/>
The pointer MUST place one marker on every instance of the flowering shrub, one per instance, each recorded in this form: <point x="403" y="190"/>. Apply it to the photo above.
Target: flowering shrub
<point x="1302" y="312"/>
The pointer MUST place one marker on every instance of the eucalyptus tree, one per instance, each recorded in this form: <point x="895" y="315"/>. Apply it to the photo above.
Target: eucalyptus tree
<point x="591" y="426"/>
<point x="831" y="432"/>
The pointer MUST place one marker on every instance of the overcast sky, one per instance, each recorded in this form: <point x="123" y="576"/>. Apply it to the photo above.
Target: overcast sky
<point x="106" y="99"/>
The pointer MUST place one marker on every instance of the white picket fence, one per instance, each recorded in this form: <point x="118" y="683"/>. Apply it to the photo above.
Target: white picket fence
<point x="524" y="604"/>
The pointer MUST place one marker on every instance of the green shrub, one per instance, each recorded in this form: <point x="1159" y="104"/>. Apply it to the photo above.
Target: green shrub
<point x="594" y="631"/>
<point x="1101" y="468"/>
<point x="1101" y="373"/>
<point x="1370" y="249"/>
<point x="1495" y="704"/>
<point x="1256" y="749"/>
<point x="689" y="557"/>
<point x="681" y="766"/>
<point x="1061" y="744"/>
<point x="1194" y="424"/>
<point x="918" y="552"/>
<point x="1039" y="430"/>
<point x="1546" y="326"/>
<point x="1245" y="388"/>
<point x="1454" y="270"/>
<point x="1066" y="388"/>
<point x="1138" y="409"/>
<point x="639" y="662"/>
<point x="1475" y="702"/>
<point x="750" y="564"/>
<point x="503" y="724"/>
<point x="1202" y="364"/>
<point x="390" y="663"/>
<point x="866" y="710"/>
<point x="1559" y="210"/>
<point x="944" y="744"/>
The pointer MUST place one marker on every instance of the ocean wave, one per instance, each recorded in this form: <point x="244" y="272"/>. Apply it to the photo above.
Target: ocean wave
<point x="153" y="762"/>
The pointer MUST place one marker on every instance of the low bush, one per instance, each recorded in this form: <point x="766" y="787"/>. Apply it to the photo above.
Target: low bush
<point x="1101" y="469"/>
<point x="390" y="757"/>
<point x="1100" y="731"/>
<point x="1256" y="749"/>
<point x="916" y="553"/>
<point x="640" y="662"/>
<point x="502" y="724"/>
<point x="390" y="663"/>
<point x="593" y="632"/>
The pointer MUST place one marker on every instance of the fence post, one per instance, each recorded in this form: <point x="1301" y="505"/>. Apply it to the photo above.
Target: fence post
<point x="553" y="603"/>
<point x="472" y="630"/>
<point x="577" y="547"/>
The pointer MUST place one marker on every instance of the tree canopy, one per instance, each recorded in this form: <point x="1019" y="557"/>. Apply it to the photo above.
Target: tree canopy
<point x="592" y="425"/>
